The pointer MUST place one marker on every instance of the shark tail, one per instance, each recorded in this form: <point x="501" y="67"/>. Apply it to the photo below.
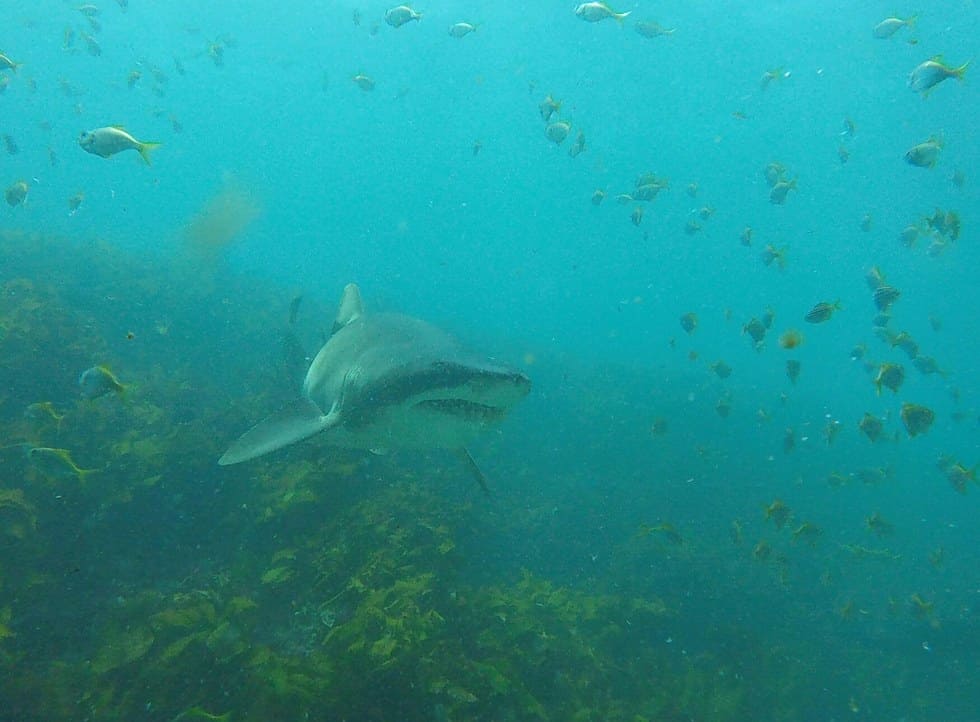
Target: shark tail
<point x="300" y="420"/>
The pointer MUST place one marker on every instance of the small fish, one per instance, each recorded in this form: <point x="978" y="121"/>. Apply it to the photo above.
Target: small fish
<point x="926" y="154"/>
<point x="822" y="312"/>
<point x="873" y="475"/>
<point x="957" y="473"/>
<point x="876" y="523"/>
<point x="401" y="14"/>
<point x="885" y="296"/>
<point x="909" y="236"/>
<point x="791" y="339"/>
<point x="917" y="418"/>
<point x="958" y="178"/>
<point x="44" y="411"/>
<point x="16" y="194"/>
<point x="889" y="26"/>
<point x="558" y="131"/>
<point x="907" y="343"/>
<point x="364" y="82"/>
<point x="871" y="426"/>
<point x="745" y="237"/>
<point x="778" y="513"/>
<point x="75" y="202"/>
<point x="651" y="179"/>
<point x="692" y="227"/>
<point x="771" y="75"/>
<point x="689" y="322"/>
<point x="98" y="381"/>
<point x="777" y="196"/>
<point x="593" y="12"/>
<point x="867" y="221"/>
<point x="637" y="215"/>
<point x="646" y="192"/>
<point x="756" y="330"/>
<point x="724" y="407"/>
<point x="874" y="278"/>
<point x="56" y="462"/>
<point x="548" y="107"/>
<point x="735" y="531"/>
<point x="10" y="144"/>
<point x="789" y="440"/>
<point x="890" y="376"/>
<point x="216" y="51"/>
<point x="652" y="29"/>
<point x="793" y="370"/>
<point x="843" y="154"/>
<point x="89" y="10"/>
<point x="461" y="30"/>
<point x="721" y="369"/>
<point x="919" y="607"/>
<point x="808" y="532"/>
<point x="926" y="365"/>
<point x="92" y="46"/>
<point x="597" y="196"/>
<point x="831" y="430"/>
<point x="133" y="78"/>
<point x="7" y="64"/>
<point x="945" y="223"/>
<point x="578" y="146"/>
<point x="106" y="142"/>
<point x="770" y="253"/>
<point x="774" y="173"/>
<point x="931" y="73"/>
<point x="692" y="190"/>
<point x="294" y="305"/>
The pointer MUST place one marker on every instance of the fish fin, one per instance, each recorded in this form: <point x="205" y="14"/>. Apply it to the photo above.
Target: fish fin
<point x="960" y="72"/>
<point x="350" y="307"/>
<point x="620" y="17"/>
<point x="300" y="420"/>
<point x="146" y="148"/>
<point x="467" y="459"/>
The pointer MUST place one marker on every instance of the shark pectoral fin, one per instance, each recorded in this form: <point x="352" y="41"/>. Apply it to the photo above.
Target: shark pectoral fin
<point x="296" y="422"/>
<point x="467" y="459"/>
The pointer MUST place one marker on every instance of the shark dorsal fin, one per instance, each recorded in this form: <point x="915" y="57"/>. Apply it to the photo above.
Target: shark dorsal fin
<point x="350" y="307"/>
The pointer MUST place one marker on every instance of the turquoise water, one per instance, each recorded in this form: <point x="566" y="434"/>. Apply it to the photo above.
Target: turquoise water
<point x="439" y="193"/>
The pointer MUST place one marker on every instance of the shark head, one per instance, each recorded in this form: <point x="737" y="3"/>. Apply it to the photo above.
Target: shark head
<point x="388" y="381"/>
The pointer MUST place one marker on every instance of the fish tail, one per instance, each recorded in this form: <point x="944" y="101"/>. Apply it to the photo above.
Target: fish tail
<point x="621" y="16"/>
<point x="960" y="72"/>
<point x="146" y="149"/>
<point x="910" y="23"/>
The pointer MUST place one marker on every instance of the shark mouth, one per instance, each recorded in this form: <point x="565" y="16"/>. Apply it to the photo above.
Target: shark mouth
<point x="464" y="409"/>
<point x="475" y="395"/>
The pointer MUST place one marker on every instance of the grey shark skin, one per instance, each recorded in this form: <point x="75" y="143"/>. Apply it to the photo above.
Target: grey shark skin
<point x="387" y="381"/>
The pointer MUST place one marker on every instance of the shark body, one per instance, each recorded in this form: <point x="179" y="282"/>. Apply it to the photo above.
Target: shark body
<point x="388" y="381"/>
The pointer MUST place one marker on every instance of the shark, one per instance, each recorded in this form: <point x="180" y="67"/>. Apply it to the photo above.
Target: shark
<point x="386" y="381"/>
